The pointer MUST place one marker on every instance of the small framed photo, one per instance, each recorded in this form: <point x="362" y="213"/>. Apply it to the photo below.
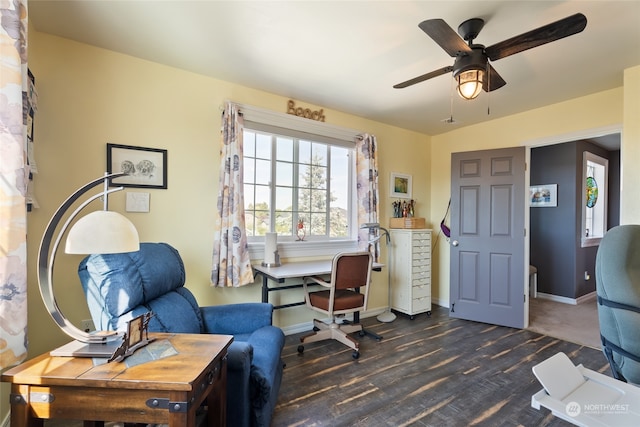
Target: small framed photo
<point x="400" y="186"/>
<point x="543" y="196"/>
<point x="145" y="167"/>
<point x="135" y="329"/>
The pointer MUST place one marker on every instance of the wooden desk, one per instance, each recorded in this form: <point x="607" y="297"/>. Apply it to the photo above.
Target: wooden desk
<point x="165" y="390"/>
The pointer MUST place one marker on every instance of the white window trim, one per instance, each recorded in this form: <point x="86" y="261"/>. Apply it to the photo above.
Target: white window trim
<point x="346" y="137"/>
<point x="603" y="198"/>
<point x="289" y="121"/>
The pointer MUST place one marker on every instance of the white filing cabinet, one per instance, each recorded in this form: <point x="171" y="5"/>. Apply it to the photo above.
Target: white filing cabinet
<point x="411" y="271"/>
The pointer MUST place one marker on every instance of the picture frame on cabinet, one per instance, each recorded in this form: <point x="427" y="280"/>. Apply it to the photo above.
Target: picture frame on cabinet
<point x="400" y="185"/>
<point x="145" y="167"/>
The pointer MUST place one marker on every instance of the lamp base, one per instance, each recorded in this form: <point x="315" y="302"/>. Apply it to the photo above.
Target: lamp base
<point x="386" y="317"/>
<point x="83" y="349"/>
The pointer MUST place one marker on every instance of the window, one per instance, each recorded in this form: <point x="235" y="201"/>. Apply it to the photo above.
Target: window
<point x="291" y="179"/>
<point x="297" y="168"/>
<point x="594" y="199"/>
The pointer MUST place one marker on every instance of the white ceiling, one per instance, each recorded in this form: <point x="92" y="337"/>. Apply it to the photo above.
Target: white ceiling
<point x="347" y="55"/>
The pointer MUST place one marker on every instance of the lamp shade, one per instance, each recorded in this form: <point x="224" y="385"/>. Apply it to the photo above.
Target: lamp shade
<point x="102" y="232"/>
<point x="470" y="83"/>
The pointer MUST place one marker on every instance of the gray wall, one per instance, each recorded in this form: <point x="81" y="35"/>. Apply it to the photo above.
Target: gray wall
<point x="555" y="231"/>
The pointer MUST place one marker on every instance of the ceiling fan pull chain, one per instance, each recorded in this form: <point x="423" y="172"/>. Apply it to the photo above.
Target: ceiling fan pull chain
<point x="451" y="102"/>
<point x="488" y="74"/>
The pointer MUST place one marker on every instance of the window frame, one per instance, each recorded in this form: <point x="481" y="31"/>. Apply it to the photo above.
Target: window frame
<point x="600" y="214"/>
<point x="297" y="163"/>
<point x="258" y="119"/>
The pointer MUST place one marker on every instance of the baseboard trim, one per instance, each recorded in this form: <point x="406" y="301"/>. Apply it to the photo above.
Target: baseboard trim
<point x="566" y="300"/>
<point x="441" y="303"/>
<point x="7" y="420"/>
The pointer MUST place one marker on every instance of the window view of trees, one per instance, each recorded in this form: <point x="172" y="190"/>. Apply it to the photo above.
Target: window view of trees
<point x="302" y="180"/>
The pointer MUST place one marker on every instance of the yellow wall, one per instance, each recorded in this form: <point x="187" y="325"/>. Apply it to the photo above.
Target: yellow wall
<point x="630" y="149"/>
<point x="90" y="96"/>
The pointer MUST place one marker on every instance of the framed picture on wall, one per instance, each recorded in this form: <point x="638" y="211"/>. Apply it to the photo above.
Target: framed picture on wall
<point x="400" y="186"/>
<point x="543" y="196"/>
<point x="145" y="167"/>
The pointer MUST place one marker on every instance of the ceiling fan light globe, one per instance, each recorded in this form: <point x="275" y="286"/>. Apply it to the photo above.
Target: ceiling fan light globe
<point x="469" y="83"/>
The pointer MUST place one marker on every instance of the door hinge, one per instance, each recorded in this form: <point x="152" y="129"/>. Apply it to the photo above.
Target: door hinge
<point x="453" y="307"/>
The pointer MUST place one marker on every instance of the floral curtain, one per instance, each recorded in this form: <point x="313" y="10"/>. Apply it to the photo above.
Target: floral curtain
<point x="13" y="182"/>
<point x="367" y="191"/>
<point x="231" y="261"/>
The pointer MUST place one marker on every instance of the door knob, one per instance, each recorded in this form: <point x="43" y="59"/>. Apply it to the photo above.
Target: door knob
<point x="455" y="243"/>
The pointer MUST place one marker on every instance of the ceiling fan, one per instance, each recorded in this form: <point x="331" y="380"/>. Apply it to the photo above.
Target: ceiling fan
<point x="471" y="68"/>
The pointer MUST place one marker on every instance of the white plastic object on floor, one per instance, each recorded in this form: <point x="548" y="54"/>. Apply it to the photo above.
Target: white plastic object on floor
<point x="585" y="397"/>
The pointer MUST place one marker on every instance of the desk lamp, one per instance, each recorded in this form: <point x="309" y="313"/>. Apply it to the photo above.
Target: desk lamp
<point x="100" y="231"/>
<point x="388" y="316"/>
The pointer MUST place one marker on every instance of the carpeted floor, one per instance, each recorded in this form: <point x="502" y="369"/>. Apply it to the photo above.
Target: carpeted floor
<point x="574" y="323"/>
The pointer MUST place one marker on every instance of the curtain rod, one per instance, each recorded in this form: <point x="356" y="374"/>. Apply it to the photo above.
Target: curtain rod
<point x="276" y="118"/>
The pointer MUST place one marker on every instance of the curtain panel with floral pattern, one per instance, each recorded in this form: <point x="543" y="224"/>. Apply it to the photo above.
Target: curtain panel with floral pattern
<point x="231" y="260"/>
<point x="14" y="175"/>
<point x="367" y="191"/>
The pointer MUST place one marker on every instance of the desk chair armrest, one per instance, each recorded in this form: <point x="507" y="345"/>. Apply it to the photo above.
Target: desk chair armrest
<point x="317" y="280"/>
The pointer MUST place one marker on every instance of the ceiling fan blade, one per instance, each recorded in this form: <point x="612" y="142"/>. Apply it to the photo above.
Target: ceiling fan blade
<point x="495" y="81"/>
<point x="424" y="77"/>
<point x="555" y="31"/>
<point x="445" y="36"/>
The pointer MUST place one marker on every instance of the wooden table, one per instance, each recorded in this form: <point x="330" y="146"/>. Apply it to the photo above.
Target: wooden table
<point x="165" y="385"/>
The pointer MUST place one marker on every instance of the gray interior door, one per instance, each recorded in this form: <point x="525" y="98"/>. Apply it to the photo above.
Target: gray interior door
<point x="488" y="199"/>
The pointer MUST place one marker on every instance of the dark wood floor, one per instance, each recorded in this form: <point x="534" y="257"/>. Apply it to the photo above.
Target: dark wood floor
<point x="430" y="371"/>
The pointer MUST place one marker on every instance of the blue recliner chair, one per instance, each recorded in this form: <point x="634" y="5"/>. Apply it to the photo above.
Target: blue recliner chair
<point x="618" y="291"/>
<point x="120" y="287"/>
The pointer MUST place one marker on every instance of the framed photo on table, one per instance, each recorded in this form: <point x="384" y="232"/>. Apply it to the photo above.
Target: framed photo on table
<point x="400" y="185"/>
<point x="145" y="167"/>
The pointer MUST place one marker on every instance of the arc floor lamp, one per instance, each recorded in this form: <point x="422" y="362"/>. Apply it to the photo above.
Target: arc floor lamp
<point x="98" y="232"/>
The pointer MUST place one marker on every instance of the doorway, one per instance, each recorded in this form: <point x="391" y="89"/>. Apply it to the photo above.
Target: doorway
<point x="566" y="267"/>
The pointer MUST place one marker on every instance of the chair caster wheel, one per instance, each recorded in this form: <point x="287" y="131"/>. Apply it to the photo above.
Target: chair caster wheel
<point x="355" y="354"/>
<point x="361" y="333"/>
<point x="300" y="349"/>
<point x="428" y="314"/>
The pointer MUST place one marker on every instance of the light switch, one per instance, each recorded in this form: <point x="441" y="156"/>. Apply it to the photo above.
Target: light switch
<point x="137" y="202"/>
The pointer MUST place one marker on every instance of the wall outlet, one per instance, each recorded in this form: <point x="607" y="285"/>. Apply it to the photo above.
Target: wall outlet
<point x="87" y="325"/>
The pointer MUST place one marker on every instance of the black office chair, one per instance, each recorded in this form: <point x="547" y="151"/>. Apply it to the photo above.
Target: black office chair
<point x="348" y="292"/>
